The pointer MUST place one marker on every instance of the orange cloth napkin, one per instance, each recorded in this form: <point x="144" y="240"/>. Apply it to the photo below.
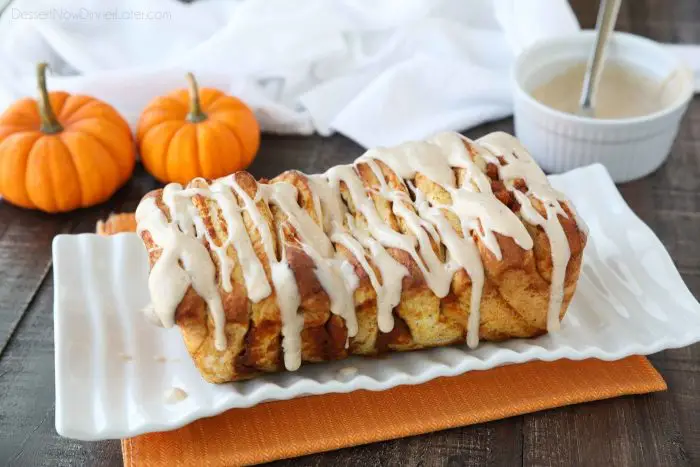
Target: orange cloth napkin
<point x="284" y="429"/>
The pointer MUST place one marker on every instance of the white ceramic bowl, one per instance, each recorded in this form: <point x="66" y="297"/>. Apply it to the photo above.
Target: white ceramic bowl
<point x="629" y="148"/>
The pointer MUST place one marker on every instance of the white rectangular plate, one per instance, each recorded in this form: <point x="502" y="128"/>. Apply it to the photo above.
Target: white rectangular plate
<point x="113" y="368"/>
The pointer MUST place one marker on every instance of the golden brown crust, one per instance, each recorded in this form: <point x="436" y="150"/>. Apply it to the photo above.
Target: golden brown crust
<point x="514" y="300"/>
<point x="117" y="223"/>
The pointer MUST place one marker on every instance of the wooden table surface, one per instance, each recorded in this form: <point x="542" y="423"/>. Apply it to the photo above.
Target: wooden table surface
<point x="660" y="429"/>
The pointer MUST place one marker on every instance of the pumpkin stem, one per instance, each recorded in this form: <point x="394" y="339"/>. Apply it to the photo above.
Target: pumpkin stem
<point x="49" y="122"/>
<point x="195" y="115"/>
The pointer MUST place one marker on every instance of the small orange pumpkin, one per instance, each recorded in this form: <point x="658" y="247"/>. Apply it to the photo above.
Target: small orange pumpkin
<point x="196" y="133"/>
<point x="62" y="152"/>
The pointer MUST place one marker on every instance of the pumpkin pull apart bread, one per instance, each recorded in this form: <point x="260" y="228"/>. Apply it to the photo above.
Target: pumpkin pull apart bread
<point x="425" y="244"/>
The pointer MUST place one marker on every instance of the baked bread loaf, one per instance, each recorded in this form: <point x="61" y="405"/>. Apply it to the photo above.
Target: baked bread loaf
<point x="445" y="241"/>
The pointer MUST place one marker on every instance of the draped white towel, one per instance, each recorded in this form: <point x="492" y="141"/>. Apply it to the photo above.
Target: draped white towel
<point x="379" y="72"/>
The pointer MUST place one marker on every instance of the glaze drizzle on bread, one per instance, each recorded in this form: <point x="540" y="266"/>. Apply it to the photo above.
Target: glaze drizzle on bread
<point x="427" y="243"/>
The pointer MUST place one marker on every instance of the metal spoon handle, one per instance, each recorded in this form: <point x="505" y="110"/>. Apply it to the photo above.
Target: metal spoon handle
<point x="607" y="16"/>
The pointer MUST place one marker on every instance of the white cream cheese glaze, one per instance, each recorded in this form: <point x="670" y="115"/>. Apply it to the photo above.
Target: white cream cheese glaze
<point x="186" y="261"/>
<point x="520" y="165"/>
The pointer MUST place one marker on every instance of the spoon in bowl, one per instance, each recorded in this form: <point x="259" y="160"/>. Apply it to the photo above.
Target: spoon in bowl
<point x="605" y="24"/>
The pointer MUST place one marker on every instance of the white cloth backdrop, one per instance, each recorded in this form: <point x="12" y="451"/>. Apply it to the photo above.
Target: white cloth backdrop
<point x="379" y="72"/>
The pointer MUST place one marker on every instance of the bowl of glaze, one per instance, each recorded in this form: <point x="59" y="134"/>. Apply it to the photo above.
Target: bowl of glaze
<point x="629" y="147"/>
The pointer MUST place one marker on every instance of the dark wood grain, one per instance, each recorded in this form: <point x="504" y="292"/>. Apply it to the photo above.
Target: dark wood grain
<point x="659" y="429"/>
<point x="21" y="274"/>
